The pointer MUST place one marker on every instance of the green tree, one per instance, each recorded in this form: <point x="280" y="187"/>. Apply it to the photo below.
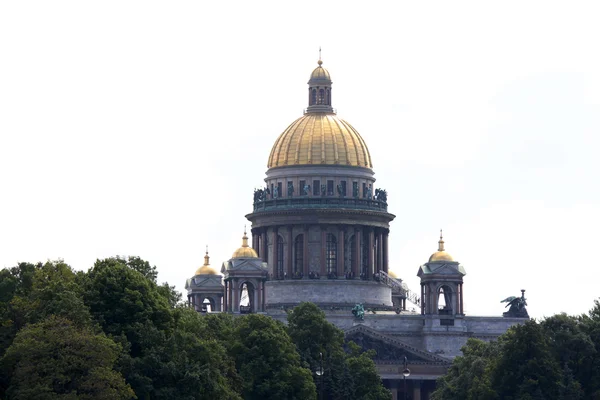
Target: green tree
<point x="469" y="376"/>
<point x="526" y="368"/>
<point x="345" y="376"/>
<point x="126" y="303"/>
<point x="55" y="358"/>
<point x="267" y="360"/>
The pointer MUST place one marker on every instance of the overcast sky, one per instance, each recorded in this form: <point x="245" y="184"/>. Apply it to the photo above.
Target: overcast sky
<point x="142" y="128"/>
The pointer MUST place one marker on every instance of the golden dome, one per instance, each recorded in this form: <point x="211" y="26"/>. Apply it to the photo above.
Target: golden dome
<point x="320" y="138"/>
<point x="320" y="74"/>
<point x="392" y="274"/>
<point x="441" y="254"/>
<point x="206" y="269"/>
<point x="245" y="251"/>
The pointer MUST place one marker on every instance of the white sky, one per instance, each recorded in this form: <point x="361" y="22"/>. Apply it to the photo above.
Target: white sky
<point x="142" y="128"/>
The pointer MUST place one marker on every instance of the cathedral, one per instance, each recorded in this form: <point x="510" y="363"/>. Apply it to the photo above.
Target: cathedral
<point x="320" y="233"/>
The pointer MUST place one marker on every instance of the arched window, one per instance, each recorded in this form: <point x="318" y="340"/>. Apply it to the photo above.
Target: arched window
<point x="445" y="300"/>
<point x="328" y="97"/>
<point x="298" y="256"/>
<point x="313" y="97"/>
<point x="280" y="272"/>
<point x="331" y="253"/>
<point x="321" y="99"/>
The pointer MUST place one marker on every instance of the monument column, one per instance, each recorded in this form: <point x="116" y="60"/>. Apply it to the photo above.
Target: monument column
<point x="416" y="389"/>
<point x="371" y="260"/>
<point x="386" y="252"/>
<point x="275" y="246"/>
<point x="357" y="255"/>
<point x="305" y="252"/>
<point x="263" y="245"/>
<point x="379" y="250"/>
<point x="323" y="245"/>
<point x="290" y="247"/>
<point x="460" y="287"/>
<point x="340" y="252"/>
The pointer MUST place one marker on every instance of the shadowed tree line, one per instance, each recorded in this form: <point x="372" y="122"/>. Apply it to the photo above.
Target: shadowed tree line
<point x="114" y="333"/>
<point x="557" y="358"/>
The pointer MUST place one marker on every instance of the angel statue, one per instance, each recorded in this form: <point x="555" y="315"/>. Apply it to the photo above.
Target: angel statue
<point x="517" y="306"/>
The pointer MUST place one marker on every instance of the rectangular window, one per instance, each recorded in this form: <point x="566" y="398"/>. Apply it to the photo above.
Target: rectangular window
<point x="279" y="189"/>
<point x="354" y="189"/>
<point x="364" y="193"/>
<point x="272" y="188"/>
<point x="329" y="188"/>
<point x="301" y="188"/>
<point x="343" y="187"/>
<point x="316" y="187"/>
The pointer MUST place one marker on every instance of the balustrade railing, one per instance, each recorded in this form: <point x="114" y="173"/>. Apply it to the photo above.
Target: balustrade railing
<point x="320" y="202"/>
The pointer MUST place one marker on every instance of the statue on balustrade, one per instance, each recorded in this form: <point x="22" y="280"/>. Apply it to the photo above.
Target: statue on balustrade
<point x="275" y="192"/>
<point x="381" y="195"/>
<point x="306" y="190"/>
<point x="517" y="306"/>
<point x="323" y="190"/>
<point x="359" y="312"/>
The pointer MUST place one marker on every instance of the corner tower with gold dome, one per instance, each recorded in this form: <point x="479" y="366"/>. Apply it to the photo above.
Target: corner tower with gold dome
<point x="319" y="223"/>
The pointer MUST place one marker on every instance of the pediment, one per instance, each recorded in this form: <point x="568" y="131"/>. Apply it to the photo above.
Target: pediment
<point x="390" y="349"/>
<point x="251" y="264"/>
<point x="448" y="268"/>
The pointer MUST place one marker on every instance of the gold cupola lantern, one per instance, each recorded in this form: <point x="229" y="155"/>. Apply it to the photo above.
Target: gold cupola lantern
<point x="245" y="251"/>
<point x="441" y="254"/>
<point x="206" y="269"/>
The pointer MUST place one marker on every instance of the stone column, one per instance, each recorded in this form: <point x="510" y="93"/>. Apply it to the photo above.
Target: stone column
<point x="357" y="255"/>
<point x="340" y="252"/>
<point x="236" y="296"/>
<point x="225" y="296"/>
<point x="379" y="251"/>
<point x="263" y="244"/>
<point x="394" y="391"/>
<point x="254" y="240"/>
<point x="255" y="299"/>
<point x="416" y="390"/>
<point x="386" y="252"/>
<point x="290" y="250"/>
<point x="305" y="255"/>
<point x="460" y="288"/>
<point x="371" y="260"/>
<point x="422" y="299"/>
<point x="275" y="248"/>
<point x="323" y="245"/>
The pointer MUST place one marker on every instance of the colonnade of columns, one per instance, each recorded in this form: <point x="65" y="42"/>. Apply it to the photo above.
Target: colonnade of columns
<point x="196" y="300"/>
<point x="233" y="294"/>
<point x="373" y="240"/>
<point x="430" y="297"/>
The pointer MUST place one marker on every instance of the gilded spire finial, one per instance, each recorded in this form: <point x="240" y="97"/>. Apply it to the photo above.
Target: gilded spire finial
<point x="244" y="238"/>
<point x="206" y="257"/>
<point x="441" y="242"/>
<point x="320" y="62"/>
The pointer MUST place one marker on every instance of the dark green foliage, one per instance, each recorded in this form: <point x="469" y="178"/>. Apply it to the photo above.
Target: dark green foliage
<point x="468" y="377"/>
<point x="346" y="376"/>
<point x="55" y="358"/>
<point x="125" y="302"/>
<point x="267" y="361"/>
<point x="557" y="358"/>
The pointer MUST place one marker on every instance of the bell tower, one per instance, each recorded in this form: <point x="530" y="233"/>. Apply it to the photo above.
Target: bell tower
<point x="441" y="284"/>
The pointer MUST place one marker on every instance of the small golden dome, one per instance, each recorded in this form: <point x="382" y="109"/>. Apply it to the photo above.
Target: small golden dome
<point x="441" y="254"/>
<point x="206" y="269"/>
<point x="320" y="138"/>
<point x="245" y="251"/>
<point x="392" y="274"/>
<point x="320" y="74"/>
